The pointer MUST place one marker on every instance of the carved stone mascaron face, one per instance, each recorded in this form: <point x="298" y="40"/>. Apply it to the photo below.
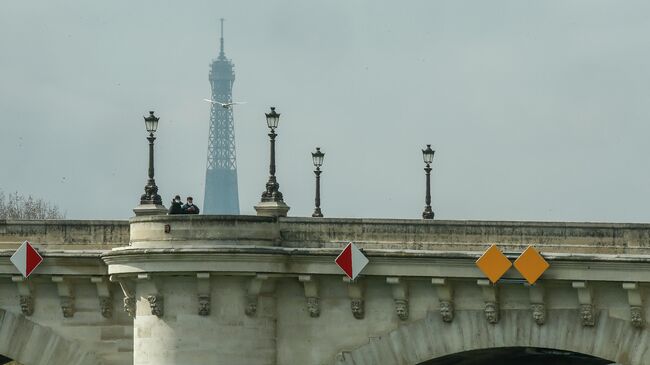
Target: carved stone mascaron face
<point x="446" y="311"/>
<point x="491" y="312"/>
<point x="587" y="315"/>
<point x="401" y="308"/>
<point x="204" y="305"/>
<point x="313" y="306"/>
<point x="357" y="308"/>
<point x="539" y="313"/>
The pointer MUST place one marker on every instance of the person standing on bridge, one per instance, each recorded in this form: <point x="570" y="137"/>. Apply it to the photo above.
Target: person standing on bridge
<point x="189" y="207"/>
<point x="177" y="206"/>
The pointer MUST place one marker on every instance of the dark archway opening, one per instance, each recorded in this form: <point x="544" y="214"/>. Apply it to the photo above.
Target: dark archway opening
<point x="7" y="361"/>
<point x="517" y="356"/>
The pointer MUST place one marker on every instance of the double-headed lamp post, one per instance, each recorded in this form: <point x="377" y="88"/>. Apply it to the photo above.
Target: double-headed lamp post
<point x="272" y="192"/>
<point x="318" y="162"/>
<point x="150" y="195"/>
<point x="427" y="155"/>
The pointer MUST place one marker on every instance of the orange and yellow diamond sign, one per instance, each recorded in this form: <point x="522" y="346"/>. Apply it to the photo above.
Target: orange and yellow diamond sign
<point x="493" y="263"/>
<point x="531" y="265"/>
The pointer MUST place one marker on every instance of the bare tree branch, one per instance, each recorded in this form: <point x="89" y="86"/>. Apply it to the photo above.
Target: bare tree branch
<point x="16" y="206"/>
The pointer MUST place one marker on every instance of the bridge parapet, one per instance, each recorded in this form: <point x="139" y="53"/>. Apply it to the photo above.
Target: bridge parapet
<point x="557" y="237"/>
<point x="177" y="231"/>
<point x="206" y="230"/>
<point x="64" y="234"/>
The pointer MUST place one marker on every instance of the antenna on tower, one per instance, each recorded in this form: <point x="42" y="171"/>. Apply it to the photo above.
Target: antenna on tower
<point x="221" y="53"/>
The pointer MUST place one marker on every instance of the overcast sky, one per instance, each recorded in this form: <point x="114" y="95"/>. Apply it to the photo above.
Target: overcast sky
<point x="537" y="110"/>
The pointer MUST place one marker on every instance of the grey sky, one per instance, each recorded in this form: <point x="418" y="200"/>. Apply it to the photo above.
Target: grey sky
<point x="538" y="110"/>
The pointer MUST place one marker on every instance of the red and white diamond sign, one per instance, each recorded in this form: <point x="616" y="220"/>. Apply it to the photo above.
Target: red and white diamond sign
<point x="26" y="259"/>
<point x="351" y="260"/>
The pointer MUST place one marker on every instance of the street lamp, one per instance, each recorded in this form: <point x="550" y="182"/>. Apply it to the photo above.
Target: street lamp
<point x="318" y="162"/>
<point x="427" y="155"/>
<point x="150" y="195"/>
<point x="272" y="192"/>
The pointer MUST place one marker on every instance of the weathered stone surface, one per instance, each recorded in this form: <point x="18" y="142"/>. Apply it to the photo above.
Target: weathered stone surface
<point x="254" y="311"/>
<point x="64" y="234"/>
<point x="416" y="342"/>
<point x="30" y="343"/>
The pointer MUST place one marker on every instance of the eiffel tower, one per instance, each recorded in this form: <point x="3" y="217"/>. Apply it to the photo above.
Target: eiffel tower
<point x="221" y="192"/>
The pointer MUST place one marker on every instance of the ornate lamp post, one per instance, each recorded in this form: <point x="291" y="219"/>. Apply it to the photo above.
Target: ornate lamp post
<point x="272" y="192"/>
<point x="272" y="203"/>
<point x="427" y="154"/>
<point x="150" y="201"/>
<point x="318" y="162"/>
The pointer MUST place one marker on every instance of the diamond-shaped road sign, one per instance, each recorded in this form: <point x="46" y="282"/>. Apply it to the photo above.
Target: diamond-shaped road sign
<point x="530" y="264"/>
<point x="26" y="259"/>
<point x="493" y="263"/>
<point x="351" y="260"/>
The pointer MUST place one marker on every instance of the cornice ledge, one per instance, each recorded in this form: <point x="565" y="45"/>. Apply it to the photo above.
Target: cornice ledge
<point x="377" y="253"/>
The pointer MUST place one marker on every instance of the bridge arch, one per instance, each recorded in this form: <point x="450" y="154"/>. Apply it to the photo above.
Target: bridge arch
<point x="517" y="356"/>
<point x="31" y="344"/>
<point x="421" y="341"/>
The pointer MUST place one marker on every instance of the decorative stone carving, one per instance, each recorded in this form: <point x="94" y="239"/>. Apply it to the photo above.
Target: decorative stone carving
<point x="27" y="305"/>
<point x="400" y="293"/>
<point x="310" y="284"/>
<point x="539" y="313"/>
<point x="105" y="296"/>
<point x="355" y="293"/>
<point x="156" y="303"/>
<point x="129" y="294"/>
<point x="636" y="316"/>
<point x="26" y="299"/>
<point x="204" y="304"/>
<point x="587" y="315"/>
<point x="490" y="297"/>
<point x="253" y="293"/>
<point x="445" y="298"/>
<point x="492" y="312"/>
<point x="635" y="301"/>
<point x="67" y="306"/>
<point x="106" y="306"/>
<point x="203" y="292"/>
<point x="537" y="295"/>
<point x="251" y="306"/>
<point x="585" y="298"/>
<point x="358" y="310"/>
<point x="66" y="295"/>
<point x="447" y="310"/>
<point x="402" y="309"/>
<point x="313" y="306"/>
<point x="129" y="306"/>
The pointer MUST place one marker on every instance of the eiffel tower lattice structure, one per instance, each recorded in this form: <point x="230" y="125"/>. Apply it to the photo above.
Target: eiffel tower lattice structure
<point x="221" y="191"/>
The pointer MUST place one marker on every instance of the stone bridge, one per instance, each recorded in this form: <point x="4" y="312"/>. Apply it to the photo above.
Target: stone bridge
<point x="197" y="290"/>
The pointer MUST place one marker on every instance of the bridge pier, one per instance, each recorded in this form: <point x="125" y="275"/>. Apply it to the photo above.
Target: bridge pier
<point x="170" y="329"/>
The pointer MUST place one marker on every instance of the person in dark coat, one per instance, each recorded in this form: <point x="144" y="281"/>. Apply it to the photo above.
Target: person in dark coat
<point x="176" y="207"/>
<point x="189" y="207"/>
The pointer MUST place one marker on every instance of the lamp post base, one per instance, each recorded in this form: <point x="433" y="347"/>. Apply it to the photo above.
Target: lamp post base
<point x="150" y="209"/>
<point x="272" y="209"/>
